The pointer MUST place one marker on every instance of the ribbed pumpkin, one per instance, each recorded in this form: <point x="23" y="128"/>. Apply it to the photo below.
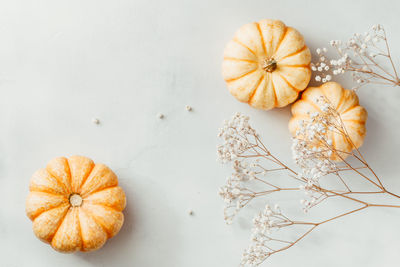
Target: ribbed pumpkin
<point x="345" y="102"/>
<point x="75" y="204"/>
<point x="266" y="64"/>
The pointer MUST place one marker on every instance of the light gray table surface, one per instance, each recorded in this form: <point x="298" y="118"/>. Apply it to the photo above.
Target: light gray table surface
<point x="63" y="63"/>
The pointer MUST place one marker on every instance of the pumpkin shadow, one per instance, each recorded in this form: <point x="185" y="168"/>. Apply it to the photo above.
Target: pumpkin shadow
<point x="131" y="246"/>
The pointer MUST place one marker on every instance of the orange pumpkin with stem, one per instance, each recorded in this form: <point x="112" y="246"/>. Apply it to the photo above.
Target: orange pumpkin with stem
<point x="266" y="64"/>
<point x="75" y="204"/>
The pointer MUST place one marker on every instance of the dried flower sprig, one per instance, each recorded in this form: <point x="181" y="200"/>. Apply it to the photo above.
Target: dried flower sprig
<point x="366" y="56"/>
<point x="315" y="154"/>
<point x="251" y="162"/>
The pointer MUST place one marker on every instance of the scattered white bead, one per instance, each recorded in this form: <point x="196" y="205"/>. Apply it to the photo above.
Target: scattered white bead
<point x="96" y="121"/>
<point x="191" y="212"/>
<point x="188" y="108"/>
<point x="160" y="116"/>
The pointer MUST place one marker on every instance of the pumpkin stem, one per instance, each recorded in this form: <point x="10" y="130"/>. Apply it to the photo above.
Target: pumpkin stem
<point x="75" y="200"/>
<point x="269" y="65"/>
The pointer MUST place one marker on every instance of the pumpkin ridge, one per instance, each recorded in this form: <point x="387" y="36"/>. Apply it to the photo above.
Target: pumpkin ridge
<point x="342" y="151"/>
<point x="66" y="190"/>
<point x="77" y="189"/>
<point x="64" y="202"/>
<point x="241" y="76"/>
<point x="312" y="104"/>
<point x="255" y="88"/>
<point x="47" y="192"/>
<point x="99" y="190"/>
<point x="302" y="117"/>
<point x="96" y="221"/>
<point x="245" y="46"/>
<point x="262" y="38"/>
<point x="274" y="91"/>
<point x="348" y="140"/>
<point x="75" y="210"/>
<point x="282" y="38"/>
<point x="70" y="174"/>
<point x="40" y="213"/>
<point x="82" y="247"/>
<point x="294" y="53"/>
<point x="354" y="121"/>
<point x="340" y="103"/>
<point x="104" y="205"/>
<point x="333" y="139"/>
<point x="239" y="59"/>
<point x="360" y="133"/>
<point x="296" y="66"/>
<point x="59" y="225"/>
<point x="324" y="94"/>
<point x="102" y="167"/>
<point x="349" y="109"/>
<point x="55" y="180"/>
<point x="350" y="144"/>
<point x="85" y="178"/>
<point x="290" y="85"/>
<point x="68" y="184"/>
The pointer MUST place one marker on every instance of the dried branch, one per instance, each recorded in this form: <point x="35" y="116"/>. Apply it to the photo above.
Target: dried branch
<point x="254" y="166"/>
<point x="366" y="56"/>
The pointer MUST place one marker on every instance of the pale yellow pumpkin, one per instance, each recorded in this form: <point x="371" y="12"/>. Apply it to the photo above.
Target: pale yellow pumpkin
<point x="266" y="64"/>
<point x="345" y="102"/>
<point x="75" y="204"/>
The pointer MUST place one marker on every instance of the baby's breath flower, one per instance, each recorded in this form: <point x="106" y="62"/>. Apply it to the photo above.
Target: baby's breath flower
<point x="366" y="54"/>
<point x="240" y="145"/>
<point x="264" y="223"/>
<point x="315" y="161"/>
<point x="312" y="150"/>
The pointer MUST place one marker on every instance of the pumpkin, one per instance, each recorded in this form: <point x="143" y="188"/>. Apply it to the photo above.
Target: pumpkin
<point x="345" y="102"/>
<point x="266" y="64"/>
<point x="75" y="204"/>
